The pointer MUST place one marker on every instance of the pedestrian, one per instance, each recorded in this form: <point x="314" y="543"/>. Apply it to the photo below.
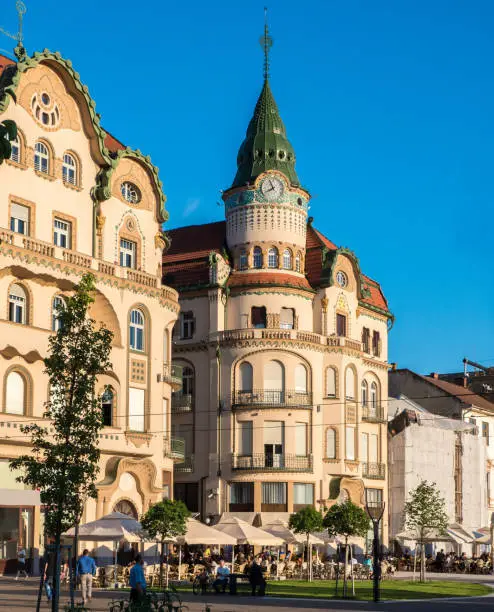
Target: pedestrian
<point x="257" y="579"/>
<point x="137" y="580"/>
<point x="86" y="569"/>
<point x="21" y="563"/>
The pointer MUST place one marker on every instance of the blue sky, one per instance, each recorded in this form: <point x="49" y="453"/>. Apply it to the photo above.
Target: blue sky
<point x="390" y="108"/>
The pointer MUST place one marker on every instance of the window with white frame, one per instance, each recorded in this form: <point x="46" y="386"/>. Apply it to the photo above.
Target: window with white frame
<point x="287" y="318"/>
<point x="287" y="259"/>
<point x="15" y="153"/>
<point x="349" y="383"/>
<point x="298" y="262"/>
<point x="19" y="218"/>
<point x="41" y="158"/>
<point x="245" y="438"/>
<point x="15" y="393"/>
<point x="300" y="378"/>
<point x="130" y="192"/>
<point x="257" y="257"/>
<point x="373" y="396"/>
<point x="69" y="169"/>
<point x="364" y="392"/>
<point x="57" y="306"/>
<point x="107" y="406"/>
<point x="303" y="494"/>
<point x="128" y="250"/>
<point x="330" y="443"/>
<point x="273" y="258"/>
<point x="62" y="233"/>
<point x="330" y="382"/>
<point x="17" y="304"/>
<point x="350" y="443"/>
<point x="136" y="409"/>
<point x="188" y="377"/>
<point x="136" y="330"/>
<point x="187" y="324"/>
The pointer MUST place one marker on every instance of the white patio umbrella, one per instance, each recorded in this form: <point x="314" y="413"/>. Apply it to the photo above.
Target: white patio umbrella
<point x="243" y="533"/>
<point x="280" y="529"/>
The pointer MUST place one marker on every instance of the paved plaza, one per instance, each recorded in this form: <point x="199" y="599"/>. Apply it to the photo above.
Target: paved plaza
<point x="21" y="597"/>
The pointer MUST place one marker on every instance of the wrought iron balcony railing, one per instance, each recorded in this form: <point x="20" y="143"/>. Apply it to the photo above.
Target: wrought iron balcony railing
<point x="182" y="402"/>
<point x="261" y="462"/>
<point x="172" y="374"/>
<point x="270" y="397"/>
<point x="373" y="414"/>
<point x="174" y="448"/>
<point x="375" y="471"/>
<point x="186" y="466"/>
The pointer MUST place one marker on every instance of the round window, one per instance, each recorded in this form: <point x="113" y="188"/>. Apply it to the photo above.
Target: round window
<point x="341" y="279"/>
<point x="130" y="192"/>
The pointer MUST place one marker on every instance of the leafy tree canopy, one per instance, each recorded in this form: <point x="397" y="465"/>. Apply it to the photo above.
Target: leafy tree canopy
<point x="307" y="520"/>
<point x="8" y="133"/>
<point x="425" y="510"/>
<point x="166" y="519"/>
<point x="347" y="519"/>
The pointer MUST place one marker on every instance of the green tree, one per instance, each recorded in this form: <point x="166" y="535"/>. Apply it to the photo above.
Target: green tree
<point x="347" y="520"/>
<point x="63" y="463"/>
<point x="8" y="133"/>
<point x="424" y="514"/>
<point x="307" y="520"/>
<point x="164" y="521"/>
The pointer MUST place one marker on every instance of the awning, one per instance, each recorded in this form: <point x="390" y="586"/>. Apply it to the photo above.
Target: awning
<point x="19" y="497"/>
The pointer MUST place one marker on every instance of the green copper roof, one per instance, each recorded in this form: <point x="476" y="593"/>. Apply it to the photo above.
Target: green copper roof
<point x="266" y="146"/>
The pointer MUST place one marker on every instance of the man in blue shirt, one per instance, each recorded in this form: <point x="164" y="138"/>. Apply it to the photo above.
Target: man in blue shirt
<point x="137" y="580"/>
<point x="86" y="569"/>
<point x="222" y="577"/>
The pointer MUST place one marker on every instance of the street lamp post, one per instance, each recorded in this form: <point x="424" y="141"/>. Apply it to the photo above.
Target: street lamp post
<point x="375" y="510"/>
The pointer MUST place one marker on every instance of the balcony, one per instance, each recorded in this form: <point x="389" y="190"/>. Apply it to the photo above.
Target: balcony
<point x="270" y="398"/>
<point x="182" y="402"/>
<point x="373" y="414"/>
<point x="260" y="462"/>
<point x="172" y="374"/>
<point x="186" y="466"/>
<point x="174" y="448"/>
<point x="374" y="471"/>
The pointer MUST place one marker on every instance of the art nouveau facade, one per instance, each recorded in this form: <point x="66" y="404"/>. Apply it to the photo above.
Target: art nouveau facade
<point x="283" y="342"/>
<point x="75" y="200"/>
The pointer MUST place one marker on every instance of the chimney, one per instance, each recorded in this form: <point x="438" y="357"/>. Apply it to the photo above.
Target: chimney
<point x="465" y="382"/>
<point x="434" y="375"/>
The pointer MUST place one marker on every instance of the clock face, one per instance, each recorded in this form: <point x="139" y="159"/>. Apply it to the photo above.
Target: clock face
<point x="341" y="279"/>
<point x="272" y="188"/>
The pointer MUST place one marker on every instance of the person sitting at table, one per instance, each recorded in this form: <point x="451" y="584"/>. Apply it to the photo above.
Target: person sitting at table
<point x="222" y="577"/>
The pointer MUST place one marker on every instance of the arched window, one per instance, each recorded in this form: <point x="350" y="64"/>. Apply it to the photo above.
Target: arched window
<point x="364" y="391"/>
<point x="330" y="443"/>
<point x="300" y="378"/>
<point x="298" y="262"/>
<point x="331" y="382"/>
<point x="15" y="153"/>
<point x="245" y="377"/>
<point x="15" y="393"/>
<point x="107" y="406"/>
<point x="188" y="381"/>
<point x="257" y="257"/>
<point x="287" y="259"/>
<point x="350" y="383"/>
<point x="243" y="261"/>
<point x="373" y="396"/>
<point x="57" y="306"/>
<point x="41" y="158"/>
<point x="126" y="507"/>
<point x="17" y="304"/>
<point x="69" y="169"/>
<point x="273" y="258"/>
<point x="130" y="192"/>
<point x="274" y="382"/>
<point x="136" y="330"/>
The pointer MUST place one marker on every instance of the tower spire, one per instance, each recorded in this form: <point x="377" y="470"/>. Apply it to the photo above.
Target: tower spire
<point x="266" y="44"/>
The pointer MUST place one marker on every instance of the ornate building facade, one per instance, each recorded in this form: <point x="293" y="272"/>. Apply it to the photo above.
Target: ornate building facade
<point x="75" y="200"/>
<point x="283" y="344"/>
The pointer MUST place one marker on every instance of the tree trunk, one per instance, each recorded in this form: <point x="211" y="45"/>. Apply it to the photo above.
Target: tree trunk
<point x="41" y="582"/>
<point x="345" y="569"/>
<point x="161" y="564"/>
<point x="56" y="570"/>
<point x="422" y="562"/>
<point x="73" y="563"/>
<point x="309" y="561"/>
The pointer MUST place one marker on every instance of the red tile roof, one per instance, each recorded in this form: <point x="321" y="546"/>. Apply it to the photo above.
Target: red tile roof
<point x="244" y="279"/>
<point x="194" y="239"/>
<point x="464" y="395"/>
<point x="376" y="294"/>
<point x="4" y="62"/>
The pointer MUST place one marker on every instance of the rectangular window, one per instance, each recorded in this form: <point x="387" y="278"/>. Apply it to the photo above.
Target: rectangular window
<point x="258" y="317"/>
<point x="273" y="493"/>
<point x="62" y="233"/>
<point x="373" y="448"/>
<point x="287" y="317"/>
<point x="366" y="340"/>
<point x="245" y="438"/>
<point x="340" y="325"/>
<point x="374" y="496"/>
<point x="376" y="344"/>
<point x="350" y="443"/>
<point x="19" y="219"/>
<point x="364" y="447"/>
<point x="188" y="325"/>
<point x="485" y="432"/>
<point x="303" y="495"/>
<point x="188" y="492"/>
<point x="128" y="251"/>
<point x="136" y="409"/>
<point x="301" y="439"/>
<point x="242" y="493"/>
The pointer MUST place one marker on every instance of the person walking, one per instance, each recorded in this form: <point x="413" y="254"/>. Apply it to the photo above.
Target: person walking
<point x="86" y="569"/>
<point x="21" y="563"/>
<point x="137" y="580"/>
